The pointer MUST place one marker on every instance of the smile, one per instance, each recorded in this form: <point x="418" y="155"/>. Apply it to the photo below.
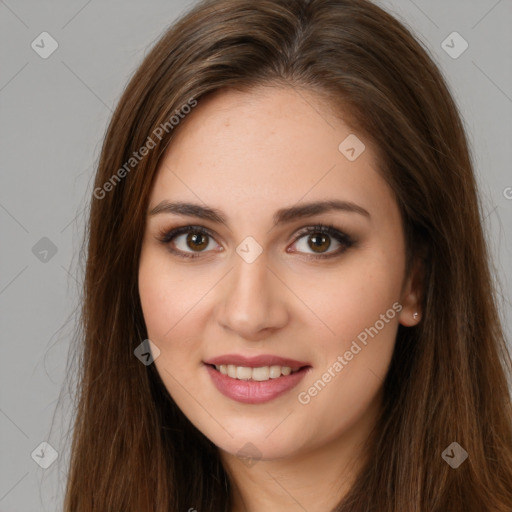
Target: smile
<point x="259" y="374"/>
<point x="255" y="380"/>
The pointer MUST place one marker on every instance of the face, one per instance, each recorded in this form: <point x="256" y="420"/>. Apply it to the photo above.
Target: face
<point x="275" y="318"/>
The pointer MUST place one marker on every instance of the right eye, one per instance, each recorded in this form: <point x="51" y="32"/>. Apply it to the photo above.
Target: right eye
<point x="188" y="241"/>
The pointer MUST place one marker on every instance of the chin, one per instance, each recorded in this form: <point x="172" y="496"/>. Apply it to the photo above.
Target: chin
<point x="252" y="449"/>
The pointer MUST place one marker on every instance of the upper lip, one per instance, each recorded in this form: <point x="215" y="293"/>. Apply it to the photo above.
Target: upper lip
<point x="255" y="361"/>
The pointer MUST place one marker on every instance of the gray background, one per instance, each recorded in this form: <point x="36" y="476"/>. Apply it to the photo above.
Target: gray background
<point x="54" y="112"/>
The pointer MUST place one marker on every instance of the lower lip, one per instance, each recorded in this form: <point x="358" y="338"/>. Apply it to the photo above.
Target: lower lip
<point x="254" y="392"/>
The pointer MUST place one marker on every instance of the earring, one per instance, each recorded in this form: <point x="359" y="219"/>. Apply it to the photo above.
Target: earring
<point x="415" y="315"/>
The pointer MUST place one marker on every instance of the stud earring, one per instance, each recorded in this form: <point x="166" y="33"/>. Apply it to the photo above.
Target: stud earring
<point x="415" y="316"/>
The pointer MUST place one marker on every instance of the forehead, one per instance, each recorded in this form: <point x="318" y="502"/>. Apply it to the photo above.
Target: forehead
<point x="267" y="148"/>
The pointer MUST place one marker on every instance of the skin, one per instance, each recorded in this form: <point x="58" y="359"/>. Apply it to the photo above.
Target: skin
<point x="248" y="154"/>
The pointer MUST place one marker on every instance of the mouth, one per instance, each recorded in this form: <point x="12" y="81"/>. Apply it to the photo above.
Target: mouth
<point x="255" y="380"/>
<point x="258" y="374"/>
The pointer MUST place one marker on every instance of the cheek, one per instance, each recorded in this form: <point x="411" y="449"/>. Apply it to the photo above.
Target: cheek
<point x="167" y="319"/>
<point x="168" y="298"/>
<point x="352" y="297"/>
<point x="358" y="306"/>
<point x="170" y="308"/>
<point x="354" y="361"/>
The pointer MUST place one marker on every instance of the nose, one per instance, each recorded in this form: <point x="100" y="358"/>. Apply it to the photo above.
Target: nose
<point x="254" y="300"/>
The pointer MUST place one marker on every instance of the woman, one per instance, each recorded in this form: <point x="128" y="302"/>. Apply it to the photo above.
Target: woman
<point x="288" y="302"/>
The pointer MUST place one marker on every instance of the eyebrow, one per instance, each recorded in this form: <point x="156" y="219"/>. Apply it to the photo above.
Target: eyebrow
<point x="282" y="216"/>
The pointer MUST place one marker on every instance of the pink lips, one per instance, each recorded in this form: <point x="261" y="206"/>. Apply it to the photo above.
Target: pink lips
<point x="256" y="361"/>
<point x="255" y="392"/>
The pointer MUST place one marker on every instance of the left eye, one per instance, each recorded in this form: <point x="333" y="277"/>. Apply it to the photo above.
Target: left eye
<point x="319" y="239"/>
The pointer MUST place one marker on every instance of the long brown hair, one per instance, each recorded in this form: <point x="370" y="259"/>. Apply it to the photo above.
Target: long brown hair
<point x="133" y="449"/>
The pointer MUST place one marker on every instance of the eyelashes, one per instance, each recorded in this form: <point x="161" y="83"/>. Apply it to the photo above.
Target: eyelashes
<point x="167" y="237"/>
<point x="201" y="238"/>
<point x="326" y="233"/>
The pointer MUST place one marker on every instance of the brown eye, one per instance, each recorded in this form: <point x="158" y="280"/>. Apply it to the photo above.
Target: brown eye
<point x="317" y="240"/>
<point x="319" y="243"/>
<point x="188" y="241"/>
<point x="197" y="241"/>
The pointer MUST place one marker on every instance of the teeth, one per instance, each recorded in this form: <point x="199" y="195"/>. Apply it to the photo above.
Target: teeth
<point x="275" y="372"/>
<point x="262" y="373"/>
<point x="243" y="373"/>
<point x="259" y="374"/>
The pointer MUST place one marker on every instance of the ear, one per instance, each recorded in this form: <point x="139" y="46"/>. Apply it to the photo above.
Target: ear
<point x="412" y="291"/>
